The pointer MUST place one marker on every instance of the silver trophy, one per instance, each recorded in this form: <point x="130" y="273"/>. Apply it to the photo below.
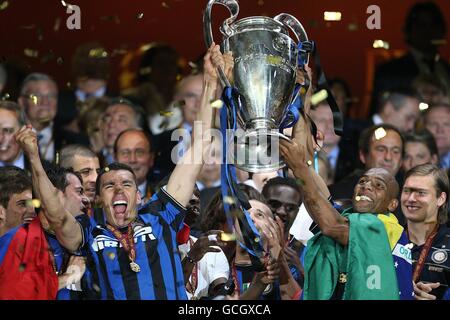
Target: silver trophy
<point x="264" y="74"/>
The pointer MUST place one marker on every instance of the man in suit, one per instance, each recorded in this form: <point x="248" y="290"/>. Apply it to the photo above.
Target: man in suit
<point x="39" y="99"/>
<point x="11" y="120"/>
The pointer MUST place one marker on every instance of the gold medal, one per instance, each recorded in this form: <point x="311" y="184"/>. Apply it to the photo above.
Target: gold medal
<point x="135" y="267"/>
<point x="194" y="298"/>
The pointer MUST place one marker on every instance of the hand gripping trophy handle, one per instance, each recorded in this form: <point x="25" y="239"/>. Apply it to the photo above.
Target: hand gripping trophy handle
<point x="233" y="7"/>
<point x="297" y="28"/>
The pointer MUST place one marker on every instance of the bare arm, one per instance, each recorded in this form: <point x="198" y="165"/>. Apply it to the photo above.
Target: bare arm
<point x="182" y="180"/>
<point x="297" y="153"/>
<point x="67" y="229"/>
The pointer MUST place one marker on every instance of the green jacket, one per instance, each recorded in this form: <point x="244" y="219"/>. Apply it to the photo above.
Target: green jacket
<point x="366" y="261"/>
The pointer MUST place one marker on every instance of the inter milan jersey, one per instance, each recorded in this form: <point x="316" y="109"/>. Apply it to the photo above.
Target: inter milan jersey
<point x="76" y="291"/>
<point x="154" y="230"/>
<point x="437" y="263"/>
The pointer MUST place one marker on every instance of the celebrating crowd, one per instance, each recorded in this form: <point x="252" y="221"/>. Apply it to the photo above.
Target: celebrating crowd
<point x="121" y="197"/>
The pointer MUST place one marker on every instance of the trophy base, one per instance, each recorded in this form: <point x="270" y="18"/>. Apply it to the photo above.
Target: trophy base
<point x="257" y="151"/>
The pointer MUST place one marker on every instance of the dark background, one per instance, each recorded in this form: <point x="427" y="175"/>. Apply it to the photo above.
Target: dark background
<point x="345" y="46"/>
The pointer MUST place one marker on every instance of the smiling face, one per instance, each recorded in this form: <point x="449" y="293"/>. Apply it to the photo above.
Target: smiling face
<point x="119" y="197"/>
<point x="419" y="200"/>
<point x="375" y="192"/>
<point x="9" y="149"/>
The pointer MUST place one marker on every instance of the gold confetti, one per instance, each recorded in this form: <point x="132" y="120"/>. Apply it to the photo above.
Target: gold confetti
<point x="4" y="5"/>
<point x="34" y="99"/>
<point x="227" y="236"/>
<point x="358" y="198"/>
<point x="36" y="203"/>
<point x="256" y="240"/>
<point x="217" y="104"/>
<point x="228" y="200"/>
<point x="309" y="163"/>
<point x="111" y="255"/>
<point x="31" y="53"/>
<point x="319" y="97"/>
<point x="166" y="113"/>
<point x="6" y="96"/>
<point x="98" y="53"/>
<point x="96" y="287"/>
<point x="140" y="15"/>
<point x="63" y="3"/>
<point x="380" y="133"/>
<point x="106" y="169"/>
<point x="332" y="16"/>
<point x="165" y="5"/>
<point x="380" y="44"/>
<point x="146" y="70"/>
<point x="423" y="106"/>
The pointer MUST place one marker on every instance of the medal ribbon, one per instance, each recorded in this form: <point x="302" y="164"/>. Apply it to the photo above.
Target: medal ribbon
<point x="126" y="240"/>
<point x="424" y="253"/>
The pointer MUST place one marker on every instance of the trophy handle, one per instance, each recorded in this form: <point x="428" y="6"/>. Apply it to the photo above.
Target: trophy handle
<point x="233" y="7"/>
<point x="292" y="23"/>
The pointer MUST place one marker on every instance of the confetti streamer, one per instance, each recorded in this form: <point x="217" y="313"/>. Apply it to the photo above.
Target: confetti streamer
<point x="165" y="5"/>
<point x="31" y="53"/>
<point x="57" y="24"/>
<point x="227" y="236"/>
<point x="380" y="133"/>
<point x="319" y="97"/>
<point x="217" y="104"/>
<point x="140" y="15"/>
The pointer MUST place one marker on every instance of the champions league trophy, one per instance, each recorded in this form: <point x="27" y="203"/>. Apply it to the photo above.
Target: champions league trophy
<point x="265" y="63"/>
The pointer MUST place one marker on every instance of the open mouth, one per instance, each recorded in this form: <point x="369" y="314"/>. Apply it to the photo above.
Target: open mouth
<point x="120" y="206"/>
<point x="359" y="198"/>
<point x="4" y="148"/>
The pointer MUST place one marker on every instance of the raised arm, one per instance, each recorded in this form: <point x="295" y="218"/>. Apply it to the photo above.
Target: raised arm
<point x="67" y="229"/>
<point x="182" y="180"/>
<point x="298" y="155"/>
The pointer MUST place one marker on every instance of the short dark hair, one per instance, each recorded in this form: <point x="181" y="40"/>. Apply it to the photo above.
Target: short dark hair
<point x="144" y="132"/>
<point x="13" y="180"/>
<point x="58" y="176"/>
<point x="441" y="184"/>
<point x="426" y="138"/>
<point x="280" y="181"/>
<point x="115" y="166"/>
<point x="397" y="97"/>
<point x="365" y="139"/>
<point x="148" y="59"/>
